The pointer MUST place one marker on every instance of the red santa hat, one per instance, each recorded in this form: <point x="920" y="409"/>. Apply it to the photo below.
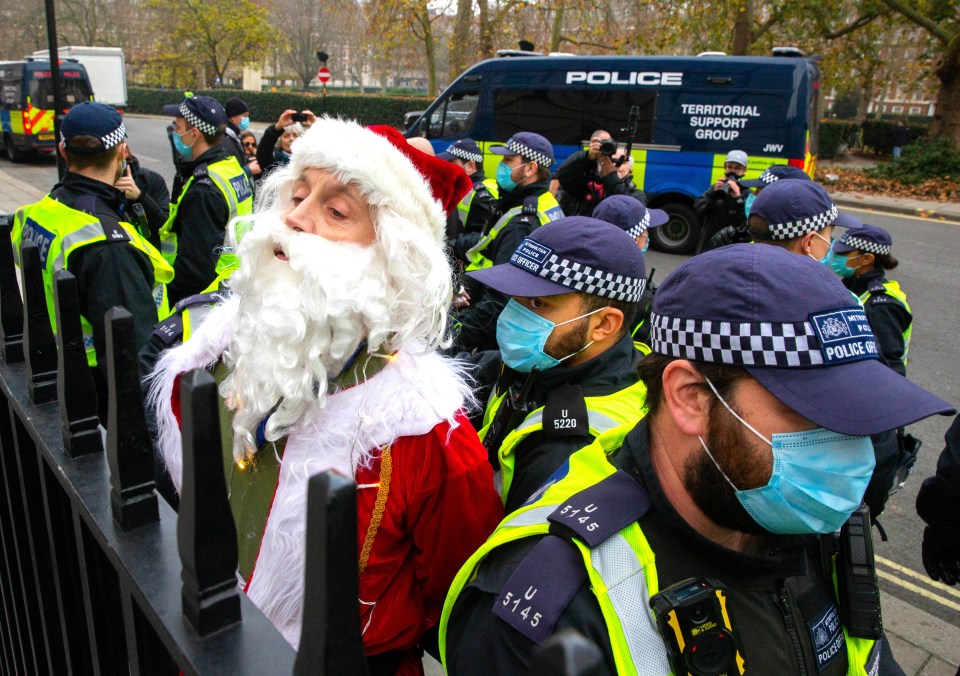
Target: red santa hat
<point x="388" y="171"/>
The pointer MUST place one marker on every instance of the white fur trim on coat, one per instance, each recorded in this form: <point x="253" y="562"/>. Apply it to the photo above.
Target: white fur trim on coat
<point x="409" y="397"/>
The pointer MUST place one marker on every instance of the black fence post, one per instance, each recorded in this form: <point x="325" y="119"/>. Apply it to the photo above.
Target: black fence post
<point x="566" y="653"/>
<point x="206" y="535"/>
<point x="38" y="343"/>
<point x="331" y="641"/>
<point x="11" y="305"/>
<point x="129" y="449"/>
<point x="75" y="389"/>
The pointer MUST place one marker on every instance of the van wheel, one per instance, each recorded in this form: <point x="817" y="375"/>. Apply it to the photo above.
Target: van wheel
<point x="679" y="234"/>
<point x="14" y="154"/>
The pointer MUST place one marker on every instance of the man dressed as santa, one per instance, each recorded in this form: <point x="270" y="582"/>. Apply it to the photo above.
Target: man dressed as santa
<point x="325" y="351"/>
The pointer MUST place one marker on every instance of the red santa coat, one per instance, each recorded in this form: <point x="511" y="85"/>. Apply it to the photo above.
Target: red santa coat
<point x="441" y="504"/>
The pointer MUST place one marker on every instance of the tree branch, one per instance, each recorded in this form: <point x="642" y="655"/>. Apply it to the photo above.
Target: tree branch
<point x="920" y="19"/>
<point x="856" y="24"/>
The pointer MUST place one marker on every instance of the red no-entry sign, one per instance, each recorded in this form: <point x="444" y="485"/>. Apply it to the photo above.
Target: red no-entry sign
<point x="323" y="74"/>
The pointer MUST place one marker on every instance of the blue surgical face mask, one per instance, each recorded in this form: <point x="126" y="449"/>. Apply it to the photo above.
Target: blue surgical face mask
<point x="244" y="123"/>
<point x="826" y="257"/>
<point x="182" y="148"/>
<point x="505" y="177"/>
<point x="819" y="478"/>
<point x="522" y="335"/>
<point x="838" y="263"/>
<point x="747" y="203"/>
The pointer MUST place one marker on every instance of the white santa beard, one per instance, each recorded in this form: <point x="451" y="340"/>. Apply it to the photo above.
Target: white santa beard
<point x="298" y="324"/>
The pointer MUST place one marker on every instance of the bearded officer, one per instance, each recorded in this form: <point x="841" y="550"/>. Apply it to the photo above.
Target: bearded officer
<point x="763" y="387"/>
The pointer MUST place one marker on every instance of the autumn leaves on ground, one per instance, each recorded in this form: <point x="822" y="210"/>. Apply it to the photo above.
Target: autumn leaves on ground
<point x="943" y="189"/>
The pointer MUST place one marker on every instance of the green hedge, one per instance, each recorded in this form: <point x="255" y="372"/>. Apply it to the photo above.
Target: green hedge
<point x="267" y="106"/>
<point x="834" y="134"/>
<point x="878" y="135"/>
<point x="924" y="159"/>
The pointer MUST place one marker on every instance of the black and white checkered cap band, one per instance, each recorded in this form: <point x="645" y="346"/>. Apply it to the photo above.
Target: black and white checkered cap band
<point x="465" y="154"/>
<point x="866" y="245"/>
<point x="640" y="227"/>
<point x="770" y="344"/>
<point x="111" y="139"/>
<point x="769" y="177"/>
<point x="580" y="277"/>
<point x="792" y="229"/>
<point x="189" y="116"/>
<point x="529" y="153"/>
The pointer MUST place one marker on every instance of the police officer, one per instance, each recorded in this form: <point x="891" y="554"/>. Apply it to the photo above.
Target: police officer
<point x="474" y="209"/>
<point x="215" y="189"/>
<point x="722" y="205"/>
<point x="83" y="226"/>
<point x="798" y="216"/>
<point x="524" y="204"/>
<point x="860" y="258"/>
<point x="631" y="216"/>
<point x="238" y="120"/>
<point x="762" y="389"/>
<point x="567" y="365"/>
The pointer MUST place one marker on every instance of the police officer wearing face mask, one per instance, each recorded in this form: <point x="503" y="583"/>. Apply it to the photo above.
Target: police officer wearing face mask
<point x="566" y="370"/>
<point x="238" y="120"/>
<point x="524" y="204"/>
<point x="860" y="258"/>
<point x="763" y="387"/>
<point x="798" y="216"/>
<point x="211" y="189"/>
<point x="631" y="216"/>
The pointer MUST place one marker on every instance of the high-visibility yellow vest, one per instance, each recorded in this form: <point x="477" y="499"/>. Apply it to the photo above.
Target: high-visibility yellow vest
<point x="623" y="408"/>
<point x="463" y="208"/>
<point x="59" y="230"/>
<point x="620" y="571"/>
<point x="546" y="209"/>
<point x="232" y="182"/>
<point x="892" y="289"/>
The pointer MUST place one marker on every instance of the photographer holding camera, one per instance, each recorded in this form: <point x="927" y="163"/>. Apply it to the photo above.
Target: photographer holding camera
<point x="722" y="205"/>
<point x="274" y="148"/>
<point x="587" y="176"/>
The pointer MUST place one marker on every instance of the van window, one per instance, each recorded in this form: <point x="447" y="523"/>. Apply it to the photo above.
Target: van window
<point x="72" y="89"/>
<point x="569" y="116"/>
<point x="455" y="117"/>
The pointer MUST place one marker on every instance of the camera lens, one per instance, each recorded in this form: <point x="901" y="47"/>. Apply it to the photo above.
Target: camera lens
<point x="699" y="614"/>
<point x="608" y="147"/>
<point x="711" y="654"/>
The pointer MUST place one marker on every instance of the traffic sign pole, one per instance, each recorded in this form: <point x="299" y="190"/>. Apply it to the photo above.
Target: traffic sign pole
<point x="323" y="75"/>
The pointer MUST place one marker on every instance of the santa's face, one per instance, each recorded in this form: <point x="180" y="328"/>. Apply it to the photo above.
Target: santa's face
<point x="322" y="205"/>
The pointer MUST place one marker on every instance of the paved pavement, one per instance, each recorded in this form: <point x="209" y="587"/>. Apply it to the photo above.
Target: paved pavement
<point x="924" y="645"/>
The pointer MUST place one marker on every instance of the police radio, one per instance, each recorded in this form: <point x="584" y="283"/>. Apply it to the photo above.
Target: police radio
<point x="857" y="588"/>
<point x="699" y="630"/>
<point x="513" y="410"/>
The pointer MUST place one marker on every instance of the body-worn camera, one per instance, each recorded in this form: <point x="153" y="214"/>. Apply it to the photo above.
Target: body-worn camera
<point x="299" y="117"/>
<point x="698" y="629"/>
<point x="608" y="147"/>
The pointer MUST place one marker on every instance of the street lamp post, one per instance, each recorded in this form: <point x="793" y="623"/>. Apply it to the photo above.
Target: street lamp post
<point x="55" y="79"/>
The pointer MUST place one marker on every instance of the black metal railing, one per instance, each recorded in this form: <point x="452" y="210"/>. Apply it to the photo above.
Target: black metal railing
<point x="98" y="576"/>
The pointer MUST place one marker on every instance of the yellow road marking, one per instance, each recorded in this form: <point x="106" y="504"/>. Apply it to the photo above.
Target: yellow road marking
<point x="939" y="586"/>
<point x="918" y="590"/>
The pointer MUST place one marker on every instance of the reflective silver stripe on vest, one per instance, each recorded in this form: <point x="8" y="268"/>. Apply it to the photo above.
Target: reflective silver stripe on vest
<point x="494" y="231"/>
<point x="622" y="575"/>
<point x="598" y="421"/>
<point x="227" y="190"/>
<point x="533" y="517"/>
<point x="79" y="236"/>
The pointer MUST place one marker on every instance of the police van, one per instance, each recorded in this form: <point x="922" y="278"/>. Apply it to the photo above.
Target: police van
<point x="26" y="103"/>
<point x="693" y="111"/>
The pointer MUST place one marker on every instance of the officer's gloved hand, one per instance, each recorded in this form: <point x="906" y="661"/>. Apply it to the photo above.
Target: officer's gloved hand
<point x="941" y="553"/>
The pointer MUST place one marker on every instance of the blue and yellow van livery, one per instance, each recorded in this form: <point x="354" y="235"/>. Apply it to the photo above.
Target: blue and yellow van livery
<point x="693" y="111"/>
<point x="26" y="103"/>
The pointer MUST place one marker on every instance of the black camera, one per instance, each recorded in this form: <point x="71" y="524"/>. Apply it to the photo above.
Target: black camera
<point x="608" y="147"/>
<point x="732" y="234"/>
<point x="298" y="117"/>
<point x="725" y="188"/>
<point x="698" y="629"/>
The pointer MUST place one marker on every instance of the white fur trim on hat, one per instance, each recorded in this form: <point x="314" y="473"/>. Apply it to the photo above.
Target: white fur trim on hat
<point x="381" y="173"/>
